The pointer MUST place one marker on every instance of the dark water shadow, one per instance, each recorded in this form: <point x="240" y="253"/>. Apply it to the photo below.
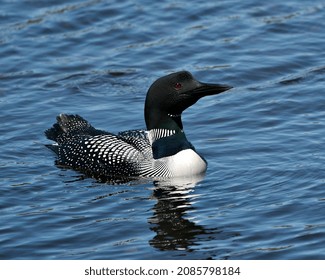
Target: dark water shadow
<point x="172" y="217"/>
<point x="174" y="229"/>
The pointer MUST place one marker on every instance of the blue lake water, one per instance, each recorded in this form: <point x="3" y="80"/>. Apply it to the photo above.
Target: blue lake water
<point x="263" y="196"/>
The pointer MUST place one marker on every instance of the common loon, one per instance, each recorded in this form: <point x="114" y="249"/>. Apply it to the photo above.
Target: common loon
<point x="161" y="151"/>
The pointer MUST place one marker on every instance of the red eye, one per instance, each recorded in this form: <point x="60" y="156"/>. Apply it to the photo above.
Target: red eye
<point x="178" y="86"/>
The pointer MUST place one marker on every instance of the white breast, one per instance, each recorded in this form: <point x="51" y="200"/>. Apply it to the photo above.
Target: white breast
<point x="185" y="163"/>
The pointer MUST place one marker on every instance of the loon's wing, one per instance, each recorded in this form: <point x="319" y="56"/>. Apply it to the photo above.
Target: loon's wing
<point x="100" y="153"/>
<point x="139" y="140"/>
<point x="68" y="126"/>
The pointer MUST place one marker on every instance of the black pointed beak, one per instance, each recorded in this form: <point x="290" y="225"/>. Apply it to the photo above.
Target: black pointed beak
<point x="205" y="89"/>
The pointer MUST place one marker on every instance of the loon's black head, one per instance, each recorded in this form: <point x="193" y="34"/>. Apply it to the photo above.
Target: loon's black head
<point x="170" y="95"/>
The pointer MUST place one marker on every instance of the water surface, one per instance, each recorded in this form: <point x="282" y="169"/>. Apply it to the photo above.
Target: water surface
<point x="263" y="196"/>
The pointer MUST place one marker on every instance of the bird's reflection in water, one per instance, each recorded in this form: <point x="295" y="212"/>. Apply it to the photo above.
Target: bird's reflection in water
<point x="174" y="230"/>
<point x="172" y="215"/>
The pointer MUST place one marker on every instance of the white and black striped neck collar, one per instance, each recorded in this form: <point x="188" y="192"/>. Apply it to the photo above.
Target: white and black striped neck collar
<point x="158" y="133"/>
